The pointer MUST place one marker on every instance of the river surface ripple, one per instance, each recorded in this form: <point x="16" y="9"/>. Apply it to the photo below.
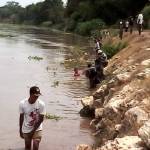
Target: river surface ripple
<point x="18" y="73"/>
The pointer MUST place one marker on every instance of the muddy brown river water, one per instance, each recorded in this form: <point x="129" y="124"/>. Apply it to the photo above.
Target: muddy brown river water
<point x="18" y="73"/>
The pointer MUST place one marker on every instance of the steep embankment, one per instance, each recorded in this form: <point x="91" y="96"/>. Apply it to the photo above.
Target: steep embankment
<point x="122" y="102"/>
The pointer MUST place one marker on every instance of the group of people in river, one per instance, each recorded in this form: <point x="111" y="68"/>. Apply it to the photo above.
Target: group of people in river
<point x="95" y="73"/>
<point x="125" y="25"/>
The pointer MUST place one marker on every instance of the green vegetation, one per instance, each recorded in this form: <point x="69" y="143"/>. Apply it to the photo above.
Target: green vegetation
<point x="146" y="13"/>
<point x="111" y="49"/>
<point x="35" y="58"/>
<point x="80" y="16"/>
<point x="48" y="13"/>
<point x="86" y="28"/>
<point x="81" y="13"/>
<point x="48" y="116"/>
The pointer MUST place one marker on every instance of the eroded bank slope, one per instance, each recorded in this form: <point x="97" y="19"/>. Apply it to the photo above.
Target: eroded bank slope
<point x="122" y="102"/>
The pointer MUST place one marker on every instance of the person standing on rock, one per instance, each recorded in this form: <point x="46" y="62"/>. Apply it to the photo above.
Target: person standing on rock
<point x="91" y="74"/>
<point x="32" y="111"/>
<point x="98" y="44"/>
<point x="100" y="63"/>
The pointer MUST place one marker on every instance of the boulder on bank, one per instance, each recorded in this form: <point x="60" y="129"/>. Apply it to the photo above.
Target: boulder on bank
<point x="144" y="133"/>
<point x="136" y="116"/>
<point x="86" y="111"/>
<point x="125" y="143"/>
<point x="87" y="101"/>
<point x="83" y="147"/>
<point x="123" y="78"/>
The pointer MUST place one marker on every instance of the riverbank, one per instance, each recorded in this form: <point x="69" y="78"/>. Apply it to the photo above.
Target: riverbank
<point x="121" y="103"/>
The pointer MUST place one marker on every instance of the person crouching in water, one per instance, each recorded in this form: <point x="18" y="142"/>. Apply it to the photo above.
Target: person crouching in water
<point x="76" y="72"/>
<point x="91" y="74"/>
<point x="100" y="63"/>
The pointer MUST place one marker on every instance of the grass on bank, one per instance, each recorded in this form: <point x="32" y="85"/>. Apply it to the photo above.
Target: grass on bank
<point x="111" y="49"/>
<point x="54" y="117"/>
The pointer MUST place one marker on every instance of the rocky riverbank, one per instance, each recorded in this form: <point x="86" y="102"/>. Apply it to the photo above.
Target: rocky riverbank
<point x="121" y="104"/>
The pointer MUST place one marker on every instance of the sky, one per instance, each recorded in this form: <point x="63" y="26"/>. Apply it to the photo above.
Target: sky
<point x="23" y="3"/>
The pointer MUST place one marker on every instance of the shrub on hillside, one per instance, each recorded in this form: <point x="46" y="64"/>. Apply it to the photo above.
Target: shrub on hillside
<point x="46" y="24"/>
<point x="146" y="13"/>
<point x="86" y="28"/>
<point x="111" y="49"/>
<point x="70" y="25"/>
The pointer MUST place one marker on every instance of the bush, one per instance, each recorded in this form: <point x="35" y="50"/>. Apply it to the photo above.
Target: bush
<point x="146" y="13"/>
<point x="71" y="24"/>
<point x="111" y="49"/>
<point x="46" y="24"/>
<point x="86" y="28"/>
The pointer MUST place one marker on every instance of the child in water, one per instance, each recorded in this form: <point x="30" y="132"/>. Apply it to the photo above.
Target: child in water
<point x="76" y="72"/>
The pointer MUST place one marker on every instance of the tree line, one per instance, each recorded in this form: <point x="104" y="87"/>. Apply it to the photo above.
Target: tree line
<point x="80" y="16"/>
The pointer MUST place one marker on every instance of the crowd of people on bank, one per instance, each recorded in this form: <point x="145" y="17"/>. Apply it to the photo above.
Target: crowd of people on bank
<point x="128" y="25"/>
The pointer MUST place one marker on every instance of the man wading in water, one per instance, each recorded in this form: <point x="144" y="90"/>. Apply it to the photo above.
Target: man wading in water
<point x="32" y="111"/>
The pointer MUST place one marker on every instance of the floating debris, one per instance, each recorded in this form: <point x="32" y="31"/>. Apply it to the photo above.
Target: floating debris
<point x="49" y="116"/>
<point x="35" y="58"/>
<point x="55" y="84"/>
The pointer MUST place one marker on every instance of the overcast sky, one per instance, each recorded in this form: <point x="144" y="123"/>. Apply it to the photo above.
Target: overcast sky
<point x="23" y="2"/>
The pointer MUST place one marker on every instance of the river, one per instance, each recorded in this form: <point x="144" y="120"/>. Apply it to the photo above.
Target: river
<point x="19" y="73"/>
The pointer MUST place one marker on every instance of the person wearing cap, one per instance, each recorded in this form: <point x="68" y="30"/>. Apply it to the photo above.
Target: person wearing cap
<point x="100" y="63"/>
<point x="32" y="111"/>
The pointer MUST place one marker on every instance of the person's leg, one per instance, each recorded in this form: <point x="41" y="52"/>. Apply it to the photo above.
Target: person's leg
<point x="121" y="33"/>
<point x="139" y="28"/>
<point x="28" y="141"/>
<point x="28" y="144"/>
<point x="36" y="143"/>
<point x="36" y="139"/>
<point x="132" y="29"/>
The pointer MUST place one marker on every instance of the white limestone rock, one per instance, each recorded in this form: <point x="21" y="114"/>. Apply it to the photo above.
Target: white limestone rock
<point x="99" y="112"/>
<point x="136" y="116"/>
<point x="87" y="101"/>
<point x="144" y="133"/>
<point x="83" y="147"/>
<point x="146" y="62"/>
<point x="125" y="143"/>
<point x="123" y="78"/>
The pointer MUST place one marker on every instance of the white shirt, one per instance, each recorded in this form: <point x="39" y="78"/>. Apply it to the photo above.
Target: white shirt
<point x="127" y="24"/>
<point x="31" y="113"/>
<point x="140" y="19"/>
<point x="97" y="45"/>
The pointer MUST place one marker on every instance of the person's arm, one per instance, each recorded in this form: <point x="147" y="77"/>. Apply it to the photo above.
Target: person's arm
<point x="21" y="119"/>
<point x="37" y="124"/>
<point x="40" y="119"/>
